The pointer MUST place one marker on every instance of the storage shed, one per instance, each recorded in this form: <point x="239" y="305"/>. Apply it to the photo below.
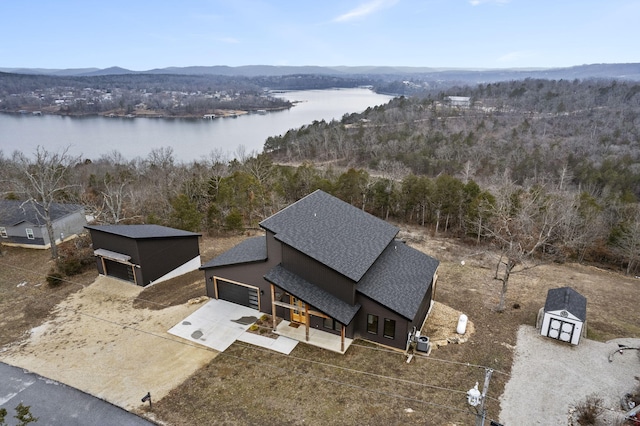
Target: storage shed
<point x="565" y="315"/>
<point x="144" y="254"/>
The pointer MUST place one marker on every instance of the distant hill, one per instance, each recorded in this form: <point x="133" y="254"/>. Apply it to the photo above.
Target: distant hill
<point x="469" y="76"/>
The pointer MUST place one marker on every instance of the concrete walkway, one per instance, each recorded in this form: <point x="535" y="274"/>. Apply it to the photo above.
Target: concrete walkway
<point x="219" y="323"/>
<point x="56" y="404"/>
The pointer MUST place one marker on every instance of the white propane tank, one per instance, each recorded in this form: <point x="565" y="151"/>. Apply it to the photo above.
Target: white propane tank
<point x="462" y="324"/>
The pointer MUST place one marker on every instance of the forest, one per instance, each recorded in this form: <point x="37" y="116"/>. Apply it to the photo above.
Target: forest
<point x="541" y="170"/>
<point x="166" y="95"/>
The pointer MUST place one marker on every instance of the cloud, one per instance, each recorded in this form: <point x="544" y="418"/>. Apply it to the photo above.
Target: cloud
<point x="479" y="2"/>
<point x="515" y="56"/>
<point x="364" y="10"/>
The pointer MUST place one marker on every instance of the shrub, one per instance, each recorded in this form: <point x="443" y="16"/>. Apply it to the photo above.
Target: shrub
<point x="589" y="410"/>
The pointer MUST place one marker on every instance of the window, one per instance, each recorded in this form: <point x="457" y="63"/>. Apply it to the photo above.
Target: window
<point x="3" y="232"/>
<point x="372" y="324"/>
<point x="389" y="328"/>
<point x="30" y="233"/>
<point x="331" y="324"/>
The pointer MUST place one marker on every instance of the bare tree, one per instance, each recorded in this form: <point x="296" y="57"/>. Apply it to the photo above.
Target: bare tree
<point x="522" y="225"/>
<point x="627" y="244"/>
<point x="42" y="181"/>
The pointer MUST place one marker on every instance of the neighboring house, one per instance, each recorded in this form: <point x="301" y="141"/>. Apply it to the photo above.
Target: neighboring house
<point x="459" y="101"/>
<point x="144" y="254"/>
<point x="328" y="265"/>
<point x="565" y="315"/>
<point x="22" y="223"/>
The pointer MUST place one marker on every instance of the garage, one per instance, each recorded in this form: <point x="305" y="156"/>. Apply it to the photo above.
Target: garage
<point x="240" y="294"/>
<point x="119" y="270"/>
<point x="564" y="316"/>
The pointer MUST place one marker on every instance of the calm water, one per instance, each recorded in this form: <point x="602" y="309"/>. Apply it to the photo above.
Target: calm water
<point x="190" y="139"/>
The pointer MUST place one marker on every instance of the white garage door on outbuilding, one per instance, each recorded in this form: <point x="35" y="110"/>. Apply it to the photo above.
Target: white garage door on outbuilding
<point x="565" y="315"/>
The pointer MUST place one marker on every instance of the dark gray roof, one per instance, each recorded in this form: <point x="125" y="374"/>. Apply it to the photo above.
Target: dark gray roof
<point x="139" y="232"/>
<point x="250" y="250"/>
<point x="327" y="303"/>
<point x="399" y="279"/>
<point x="13" y="212"/>
<point x="337" y="234"/>
<point x="566" y="299"/>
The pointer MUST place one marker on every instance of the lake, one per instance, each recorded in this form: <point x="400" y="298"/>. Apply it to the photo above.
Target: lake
<point x="191" y="139"/>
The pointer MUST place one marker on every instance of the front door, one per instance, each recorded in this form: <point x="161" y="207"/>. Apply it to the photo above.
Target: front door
<point x="297" y="314"/>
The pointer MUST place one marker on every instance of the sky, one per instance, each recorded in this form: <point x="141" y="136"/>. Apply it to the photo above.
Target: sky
<point x="141" y="34"/>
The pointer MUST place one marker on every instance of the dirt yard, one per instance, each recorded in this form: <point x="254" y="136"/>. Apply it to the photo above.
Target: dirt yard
<point x="110" y="339"/>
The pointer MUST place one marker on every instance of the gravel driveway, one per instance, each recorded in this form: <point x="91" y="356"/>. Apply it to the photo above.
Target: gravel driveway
<point x="549" y="377"/>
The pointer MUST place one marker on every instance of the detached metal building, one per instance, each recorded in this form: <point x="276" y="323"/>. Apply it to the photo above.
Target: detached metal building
<point x="565" y="315"/>
<point x="144" y="254"/>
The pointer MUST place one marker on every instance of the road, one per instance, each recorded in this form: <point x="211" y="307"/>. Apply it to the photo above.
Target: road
<point x="54" y="403"/>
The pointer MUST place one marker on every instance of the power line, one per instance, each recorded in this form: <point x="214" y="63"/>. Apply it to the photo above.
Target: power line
<point x="288" y="371"/>
<point x="124" y="326"/>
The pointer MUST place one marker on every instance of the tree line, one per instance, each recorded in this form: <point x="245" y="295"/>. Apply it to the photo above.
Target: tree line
<point x="544" y="218"/>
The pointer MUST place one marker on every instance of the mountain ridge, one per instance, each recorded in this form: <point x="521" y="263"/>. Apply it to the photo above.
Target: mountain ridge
<point x="629" y="71"/>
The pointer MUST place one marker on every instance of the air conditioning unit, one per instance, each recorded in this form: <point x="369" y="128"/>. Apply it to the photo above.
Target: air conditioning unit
<point x="422" y="344"/>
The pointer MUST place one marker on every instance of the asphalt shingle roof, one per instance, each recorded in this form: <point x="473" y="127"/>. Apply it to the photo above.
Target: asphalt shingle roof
<point x="337" y="234"/>
<point x="250" y="250"/>
<point x="142" y="231"/>
<point x="566" y="299"/>
<point x="13" y="212"/>
<point x="315" y="296"/>
<point x="399" y="279"/>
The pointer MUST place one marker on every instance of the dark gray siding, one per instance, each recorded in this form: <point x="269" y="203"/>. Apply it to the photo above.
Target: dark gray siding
<point x="249" y="273"/>
<point x="118" y="244"/>
<point x="159" y="256"/>
<point x="423" y="310"/>
<point x="318" y="274"/>
<point x="155" y="256"/>
<point x="370" y="307"/>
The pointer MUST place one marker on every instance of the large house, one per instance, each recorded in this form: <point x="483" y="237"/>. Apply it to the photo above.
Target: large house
<point x="22" y="223"/>
<point x="329" y="266"/>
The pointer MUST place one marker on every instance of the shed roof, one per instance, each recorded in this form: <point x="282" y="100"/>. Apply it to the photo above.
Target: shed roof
<point x="315" y="296"/>
<point x="250" y="250"/>
<point x="566" y="299"/>
<point x="399" y="279"/>
<point x="139" y="232"/>
<point x="336" y="234"/>
<point x="13" y="212"/>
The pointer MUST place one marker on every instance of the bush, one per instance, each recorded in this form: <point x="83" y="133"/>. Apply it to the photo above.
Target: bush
<point x="589" y="410"/>
<point x="75" y="255"/>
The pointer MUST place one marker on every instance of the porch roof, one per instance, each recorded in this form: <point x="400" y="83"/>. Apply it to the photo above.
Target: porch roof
<point x="325" y="302"/>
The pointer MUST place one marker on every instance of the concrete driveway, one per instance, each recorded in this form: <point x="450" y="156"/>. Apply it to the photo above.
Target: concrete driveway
<point x="549" y="377"/>
<point x="56" y="404"/>
<point x="219" y="323"/>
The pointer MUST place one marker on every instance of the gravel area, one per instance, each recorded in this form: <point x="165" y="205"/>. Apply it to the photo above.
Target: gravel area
<point x="98" y="343"/>
<point x="549" y="378"/>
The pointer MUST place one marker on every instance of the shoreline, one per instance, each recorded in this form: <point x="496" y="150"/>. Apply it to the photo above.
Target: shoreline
<point x="216" y="113"/>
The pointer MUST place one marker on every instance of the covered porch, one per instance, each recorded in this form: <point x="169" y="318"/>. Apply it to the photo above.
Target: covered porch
<point x="304" y="300"/>
<point x="318" y="338"/>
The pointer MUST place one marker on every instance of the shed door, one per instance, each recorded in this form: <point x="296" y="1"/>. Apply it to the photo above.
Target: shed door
<point x="561" y="330"/>
<point x="242" y="295"/>
<point x="119" y="270"/>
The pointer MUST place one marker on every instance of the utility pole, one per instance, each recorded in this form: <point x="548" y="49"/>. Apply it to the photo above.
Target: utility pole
<point x="475" y="398"/>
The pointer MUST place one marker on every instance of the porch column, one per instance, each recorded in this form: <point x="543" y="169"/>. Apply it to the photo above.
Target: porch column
<point x="306" y="320"/>
<point x="273" y="306"/>
<point x="342" y="338"/>
<point x="133" y="270"/>
<point x="104" y="266"/>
